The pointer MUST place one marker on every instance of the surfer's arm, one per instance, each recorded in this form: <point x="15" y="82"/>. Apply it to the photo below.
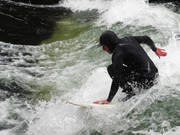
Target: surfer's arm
<point x="146" y="40"/>
<point x="118" y="78"/>
<point x="113" y="90"/>
<point x="119" y="81"/>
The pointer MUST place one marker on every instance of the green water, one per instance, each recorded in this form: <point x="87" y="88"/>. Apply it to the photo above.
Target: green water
<point x="67" y="28"/>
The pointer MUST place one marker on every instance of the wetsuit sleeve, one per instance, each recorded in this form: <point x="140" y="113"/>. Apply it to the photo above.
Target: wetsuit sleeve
<point x="146" y="40"/>
<point x="118" y="78"/>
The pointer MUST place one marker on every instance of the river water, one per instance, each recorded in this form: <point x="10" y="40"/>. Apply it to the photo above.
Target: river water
<point x="36" y="82"/>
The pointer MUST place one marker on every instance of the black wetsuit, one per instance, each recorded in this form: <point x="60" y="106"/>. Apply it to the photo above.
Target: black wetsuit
<point x="131" y="66"/>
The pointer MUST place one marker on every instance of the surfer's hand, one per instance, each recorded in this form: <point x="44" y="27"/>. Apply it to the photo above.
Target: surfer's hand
<point x="101" y="102"/>
<point x="160" y="52"/>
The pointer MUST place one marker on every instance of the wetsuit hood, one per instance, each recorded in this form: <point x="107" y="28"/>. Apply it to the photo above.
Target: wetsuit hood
<point x="110" y="39"/>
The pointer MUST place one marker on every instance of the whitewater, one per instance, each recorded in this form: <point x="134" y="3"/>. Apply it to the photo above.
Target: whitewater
<point x="75" y="69"/>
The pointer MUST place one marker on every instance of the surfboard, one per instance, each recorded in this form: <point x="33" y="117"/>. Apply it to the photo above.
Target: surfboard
<point x="90" y="105"/>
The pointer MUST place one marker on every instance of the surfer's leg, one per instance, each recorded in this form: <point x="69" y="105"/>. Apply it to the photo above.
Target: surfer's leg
<point x="146" y="82"/>
<point x="128" y="87"/>
<point x="140" y="82"/>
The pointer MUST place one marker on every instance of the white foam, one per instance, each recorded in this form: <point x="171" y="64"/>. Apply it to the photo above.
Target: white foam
<point x="82" y="5"/>
<point x="3" y="110"/>
<point x="97" y="87"/>
<point x="173" y="131"/>
<point x="62" y="118"/>
<point x="58" y="118"/>
<point x="129" y="12"/>
<point x="5" y="132"/>
<point x="169" y="66"/>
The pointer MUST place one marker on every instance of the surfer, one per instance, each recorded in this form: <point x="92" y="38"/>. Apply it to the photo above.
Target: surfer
<point x="131" y="66"/>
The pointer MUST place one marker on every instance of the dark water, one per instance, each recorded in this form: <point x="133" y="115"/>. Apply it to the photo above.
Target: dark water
<point x="28" y="24"/>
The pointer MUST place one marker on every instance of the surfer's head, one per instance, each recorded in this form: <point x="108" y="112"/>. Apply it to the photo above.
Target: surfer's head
<point x="108" y="40"/>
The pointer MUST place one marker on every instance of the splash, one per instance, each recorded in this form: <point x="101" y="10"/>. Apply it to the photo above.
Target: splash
<point x="129" y="12"/>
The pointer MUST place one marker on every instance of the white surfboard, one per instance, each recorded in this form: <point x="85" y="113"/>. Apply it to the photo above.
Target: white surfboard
<point x="90" y="105"/>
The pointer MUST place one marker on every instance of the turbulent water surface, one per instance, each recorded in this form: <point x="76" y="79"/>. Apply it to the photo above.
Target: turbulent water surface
<point x="36" y="82"/>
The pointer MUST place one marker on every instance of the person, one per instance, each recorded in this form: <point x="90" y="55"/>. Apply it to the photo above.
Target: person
<point x="131" y="66"/>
